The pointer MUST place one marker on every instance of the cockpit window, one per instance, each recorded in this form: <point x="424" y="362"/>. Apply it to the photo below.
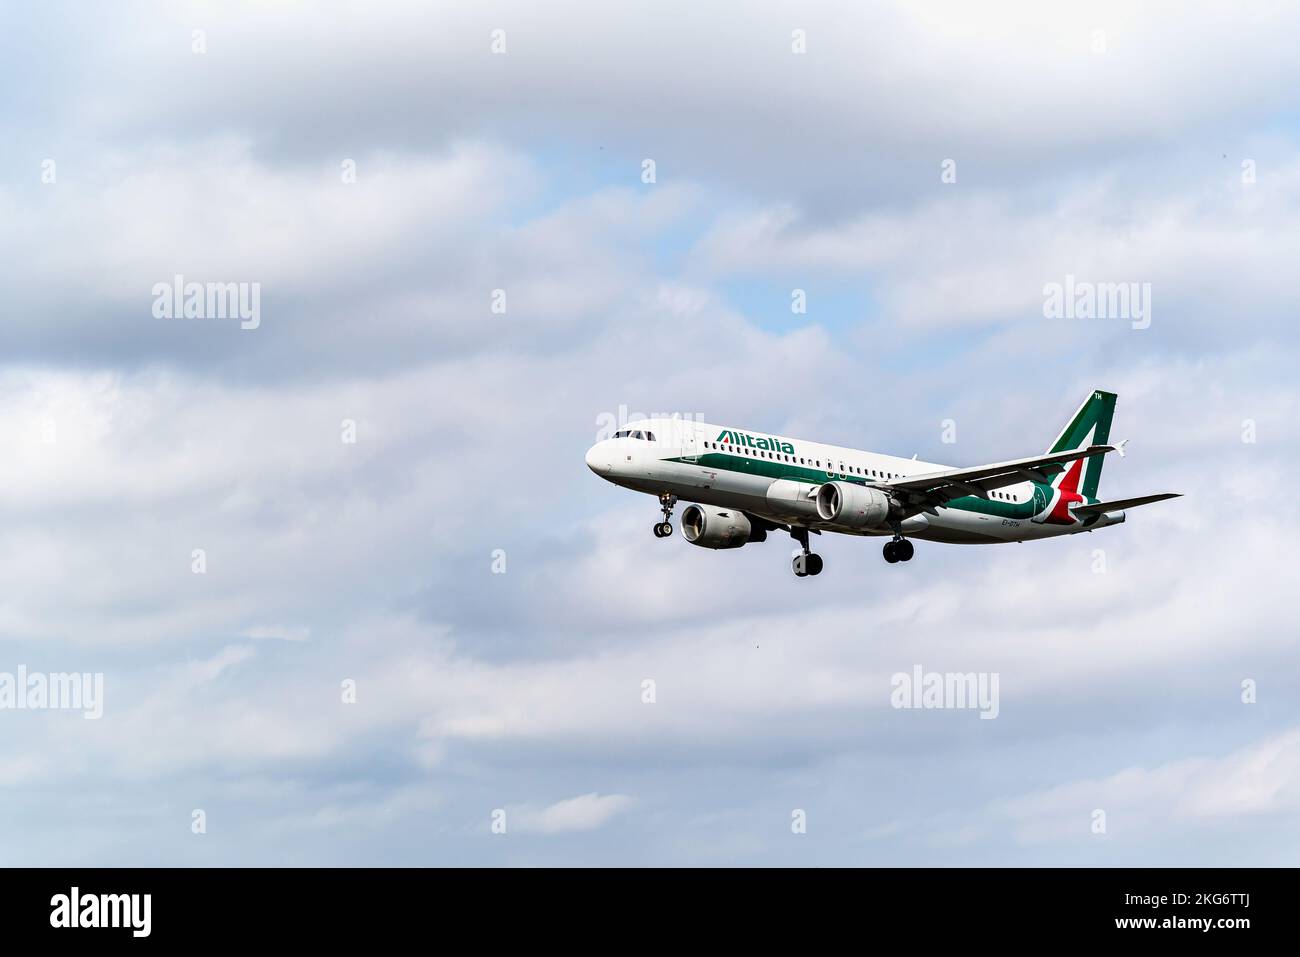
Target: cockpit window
<point x="635" y="434"/>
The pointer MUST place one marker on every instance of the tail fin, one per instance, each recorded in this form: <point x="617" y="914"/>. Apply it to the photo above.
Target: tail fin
<point x="1090" y="425"/>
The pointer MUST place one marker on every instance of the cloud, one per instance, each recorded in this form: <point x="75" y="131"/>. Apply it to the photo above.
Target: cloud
<point x="883" y="94"/>
<point x="586" y="812"/>
<point x="1261" y="779"/>
<point x="982" y="255"/>
<point x="277" y="633"/>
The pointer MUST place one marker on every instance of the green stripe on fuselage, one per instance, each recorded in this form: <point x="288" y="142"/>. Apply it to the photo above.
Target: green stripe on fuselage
<point x="770" y="468"/>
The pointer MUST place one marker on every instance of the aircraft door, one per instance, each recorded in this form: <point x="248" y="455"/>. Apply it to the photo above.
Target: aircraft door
<point x="690" y="446"/>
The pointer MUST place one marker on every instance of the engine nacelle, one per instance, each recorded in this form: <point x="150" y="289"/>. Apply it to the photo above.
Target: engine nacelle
<point x="852" y="506"/>
<point x="788" y="499"/>
<point x="712" y="527"/>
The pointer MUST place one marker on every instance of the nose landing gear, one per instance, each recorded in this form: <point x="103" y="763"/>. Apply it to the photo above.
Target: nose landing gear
<point x="666" y="502"/>
<point x="808" y="563"/>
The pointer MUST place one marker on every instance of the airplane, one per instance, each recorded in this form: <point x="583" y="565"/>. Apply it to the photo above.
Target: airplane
<point x="741" y="485"/>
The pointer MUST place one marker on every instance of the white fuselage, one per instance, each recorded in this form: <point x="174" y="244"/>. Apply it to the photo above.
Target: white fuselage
<point x="776" y="477"/>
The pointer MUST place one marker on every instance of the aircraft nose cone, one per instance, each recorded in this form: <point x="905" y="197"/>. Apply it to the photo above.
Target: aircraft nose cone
<point x="594" y="456"/>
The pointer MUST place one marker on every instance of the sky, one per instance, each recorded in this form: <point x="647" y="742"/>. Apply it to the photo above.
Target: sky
<point x="352" y="593"/>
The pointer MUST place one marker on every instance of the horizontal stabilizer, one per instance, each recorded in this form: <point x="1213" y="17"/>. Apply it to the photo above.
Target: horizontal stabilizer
<point x="1124" y="503"/>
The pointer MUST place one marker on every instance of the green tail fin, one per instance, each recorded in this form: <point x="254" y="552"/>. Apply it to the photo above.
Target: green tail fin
<point x="1090" y="425"/>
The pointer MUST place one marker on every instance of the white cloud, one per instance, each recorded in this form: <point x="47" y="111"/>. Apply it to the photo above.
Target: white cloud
<point x="983" y="255"/>
<point x="586" y="812"/>
<point x="1144" y="803"/>
<point x="277" y="633"/>
<point x="884" y="91"/>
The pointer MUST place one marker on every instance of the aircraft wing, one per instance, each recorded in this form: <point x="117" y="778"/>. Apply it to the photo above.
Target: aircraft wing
<point x="1123" y="503"/>
<point x="954" y="483"/>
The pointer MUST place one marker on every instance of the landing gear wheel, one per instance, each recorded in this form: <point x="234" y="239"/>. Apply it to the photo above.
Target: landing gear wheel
<point x="891" y="552"/>
<point x="806" y="563"/>
<point x="666" y="502"/>
<point x="905" y="550"/>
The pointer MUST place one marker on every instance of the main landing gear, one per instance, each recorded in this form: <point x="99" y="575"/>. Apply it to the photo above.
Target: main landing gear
<point x="666" y="502"/>
<point x="807" y="563"/>
<point x="899" y="550"/>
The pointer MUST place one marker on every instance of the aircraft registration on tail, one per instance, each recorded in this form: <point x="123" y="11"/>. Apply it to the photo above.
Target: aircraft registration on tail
<point x="741" y="485"/>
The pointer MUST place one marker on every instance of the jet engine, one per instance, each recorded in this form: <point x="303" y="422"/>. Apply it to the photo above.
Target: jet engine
<point x="712" y="527"/>
<point x="852" y="506"/>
